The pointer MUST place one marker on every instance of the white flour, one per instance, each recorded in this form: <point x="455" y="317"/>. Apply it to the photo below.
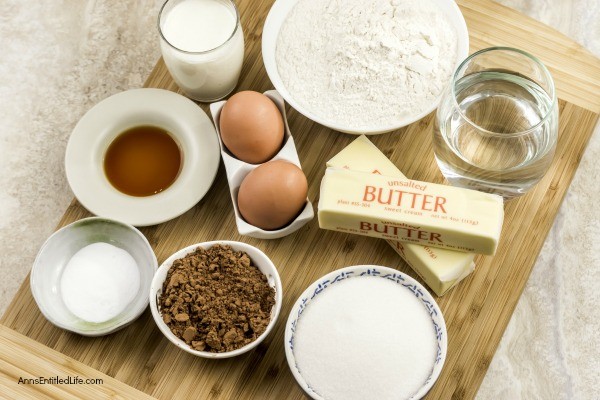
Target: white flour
<point x="366" y="63"/>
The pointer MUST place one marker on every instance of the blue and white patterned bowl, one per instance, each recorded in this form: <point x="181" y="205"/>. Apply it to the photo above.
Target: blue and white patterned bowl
<point x="319" y="287"/>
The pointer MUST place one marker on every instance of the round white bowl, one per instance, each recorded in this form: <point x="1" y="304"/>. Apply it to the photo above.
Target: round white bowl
<point x="259" y="259"/>
<point x="277" y="16"/>
<point x="319" y="288"/>
<point x="189" y="125"/>
<point x="62" y="245"/>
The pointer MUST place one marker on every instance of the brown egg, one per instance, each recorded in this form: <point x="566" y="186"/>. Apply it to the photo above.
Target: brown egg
<point x="251" y="127"/>
<point x="272" y="195"/>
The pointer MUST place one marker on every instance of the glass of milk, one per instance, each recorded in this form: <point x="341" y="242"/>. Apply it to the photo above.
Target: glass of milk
<point x="202" y="44"/>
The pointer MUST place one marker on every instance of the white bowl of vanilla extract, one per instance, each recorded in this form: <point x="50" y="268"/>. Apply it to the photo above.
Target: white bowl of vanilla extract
<point x="142" y="156"/>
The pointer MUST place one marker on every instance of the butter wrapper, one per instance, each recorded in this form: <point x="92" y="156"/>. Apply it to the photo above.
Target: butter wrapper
<point x="410" y="211"/>
<point x="440" y="269"/>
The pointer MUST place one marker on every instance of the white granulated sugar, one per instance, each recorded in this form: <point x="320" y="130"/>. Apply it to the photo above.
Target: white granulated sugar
<point x="366" y="63"/>
<point x="365" y="338"/>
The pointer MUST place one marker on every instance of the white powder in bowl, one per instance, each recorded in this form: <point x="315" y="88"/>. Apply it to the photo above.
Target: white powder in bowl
<point x="99" y="282"/>
<point x="366" y="63"/>
<point x="365" y="338"/>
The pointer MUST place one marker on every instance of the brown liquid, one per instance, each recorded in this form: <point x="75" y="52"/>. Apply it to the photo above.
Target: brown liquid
<point x="142" y="161"/>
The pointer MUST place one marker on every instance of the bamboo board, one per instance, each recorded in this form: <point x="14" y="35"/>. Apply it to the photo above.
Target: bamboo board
<point x="476" y="312"/>
<point x="22" y="357"/>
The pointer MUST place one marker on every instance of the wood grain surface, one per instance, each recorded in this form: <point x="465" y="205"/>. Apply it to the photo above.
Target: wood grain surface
<point x="22" y="357"/>
<point x="476" y="311"/>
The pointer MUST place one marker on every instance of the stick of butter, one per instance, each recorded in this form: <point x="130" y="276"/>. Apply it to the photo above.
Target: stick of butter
<point x="410" y="211"/>
<point x="441" y="269"/>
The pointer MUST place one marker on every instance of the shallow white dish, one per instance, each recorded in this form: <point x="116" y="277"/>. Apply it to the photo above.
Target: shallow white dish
<point x="277" y="16"/>
<point x="188" y="124"/>
<point x="259" y="259"/>
<point x="319" y="288"/>
<point x="237" y="170"/>
<point x="62" y="245"/>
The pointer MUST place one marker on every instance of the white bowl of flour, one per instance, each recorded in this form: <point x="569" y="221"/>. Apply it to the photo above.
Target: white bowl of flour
<point x="365" y="332"/>
<point x="363" y="66"/>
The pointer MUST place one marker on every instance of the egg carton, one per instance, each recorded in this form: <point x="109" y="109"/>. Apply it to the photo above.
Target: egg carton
<point x="237" y="170"/>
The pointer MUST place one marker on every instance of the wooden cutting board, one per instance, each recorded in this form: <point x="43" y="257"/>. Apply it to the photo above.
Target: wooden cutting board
<point x="476" y="312"/>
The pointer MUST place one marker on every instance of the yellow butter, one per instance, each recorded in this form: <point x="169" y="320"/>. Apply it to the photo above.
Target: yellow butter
<point x="410" y="211"/>
<point x="440" y="269"/>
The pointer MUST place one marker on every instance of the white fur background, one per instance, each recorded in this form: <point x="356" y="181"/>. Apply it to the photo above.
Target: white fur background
<point x="59" y="58"/>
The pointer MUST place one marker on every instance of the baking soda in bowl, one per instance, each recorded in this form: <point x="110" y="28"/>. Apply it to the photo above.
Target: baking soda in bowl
<point x="99" y="282"/>
<point x="368" y="338"/>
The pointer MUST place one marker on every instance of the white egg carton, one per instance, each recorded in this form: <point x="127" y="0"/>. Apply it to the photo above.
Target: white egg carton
<point x="237" y="170"/>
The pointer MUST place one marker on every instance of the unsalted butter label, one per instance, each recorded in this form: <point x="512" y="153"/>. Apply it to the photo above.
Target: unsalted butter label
<point x="441" y="269"/>
<point x="410" y="211"/>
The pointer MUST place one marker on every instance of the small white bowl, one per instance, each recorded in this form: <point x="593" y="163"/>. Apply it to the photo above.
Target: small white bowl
<point x="319" y="288"/>
<point x="182" y="118"/>
<point x="237" y="170"/>
<point x="259" y="259"/>
<point x="277" y="16"/>
<point x="62" y="245"/>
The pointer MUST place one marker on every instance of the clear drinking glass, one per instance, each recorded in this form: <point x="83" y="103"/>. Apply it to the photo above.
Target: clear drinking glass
<point x="210" y="74"/>
<point x="497" y="124"/>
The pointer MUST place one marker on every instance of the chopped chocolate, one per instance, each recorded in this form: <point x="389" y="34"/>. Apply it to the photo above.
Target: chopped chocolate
<point x="216" y="300"/>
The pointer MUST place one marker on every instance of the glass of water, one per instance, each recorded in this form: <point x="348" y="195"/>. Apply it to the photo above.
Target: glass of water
<point x="497" y="124"/>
